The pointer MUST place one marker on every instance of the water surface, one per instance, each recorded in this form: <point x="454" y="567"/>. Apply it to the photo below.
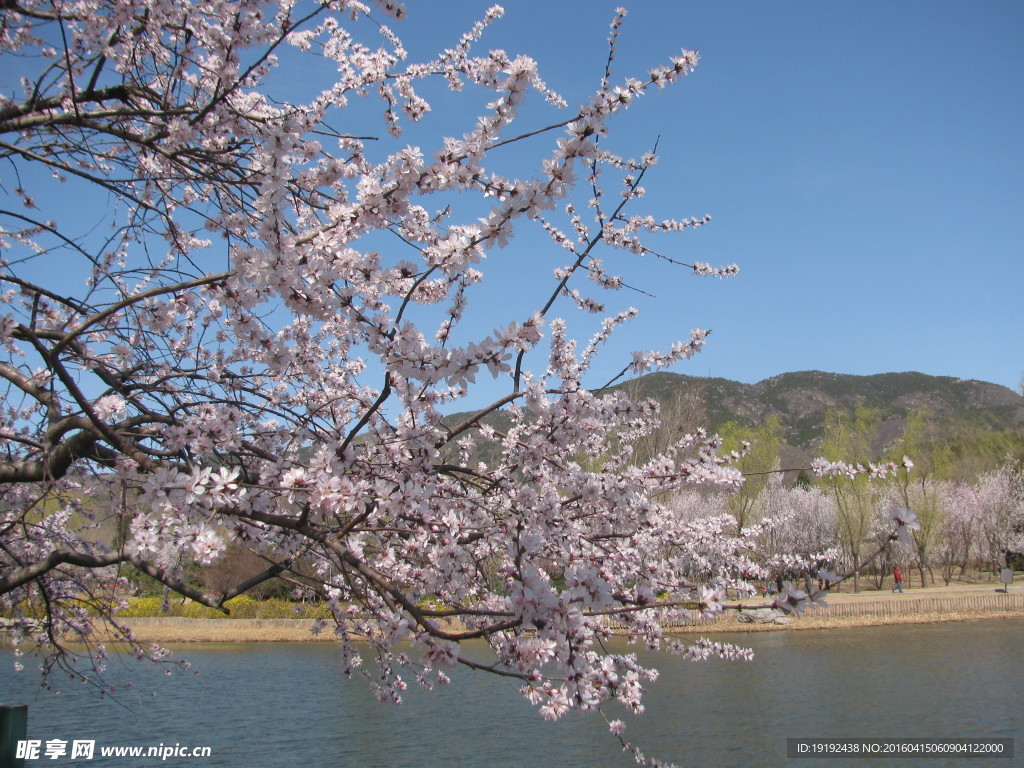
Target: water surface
<point x="283" y="705"/>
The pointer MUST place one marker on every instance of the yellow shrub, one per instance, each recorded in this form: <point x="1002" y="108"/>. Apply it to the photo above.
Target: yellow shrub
<point x="142" y="606"/>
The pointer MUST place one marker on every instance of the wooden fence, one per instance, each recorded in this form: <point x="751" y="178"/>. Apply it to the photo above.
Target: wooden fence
<point x="909" y="604"/>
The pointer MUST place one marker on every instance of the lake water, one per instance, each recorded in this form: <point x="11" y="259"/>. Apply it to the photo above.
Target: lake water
<point x="282" y="705"/>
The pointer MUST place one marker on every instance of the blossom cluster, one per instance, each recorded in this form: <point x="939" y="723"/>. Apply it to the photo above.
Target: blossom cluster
<point x="822" y="467"/>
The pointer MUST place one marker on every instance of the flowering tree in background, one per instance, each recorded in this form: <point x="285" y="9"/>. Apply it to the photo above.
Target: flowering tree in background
<point x="995" y="504"/>
<point x="959" y="530"/>
<point x="805" y="527"/>
<point x="229" y="319"/>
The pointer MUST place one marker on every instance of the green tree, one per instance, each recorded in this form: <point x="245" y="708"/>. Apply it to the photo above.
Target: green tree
<point x="921" y="491"/>
<point x="760" y="447"/>
<point x="851" y="438"/>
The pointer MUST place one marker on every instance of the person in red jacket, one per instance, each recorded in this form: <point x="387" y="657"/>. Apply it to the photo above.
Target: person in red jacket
<point x="898" y="575"/>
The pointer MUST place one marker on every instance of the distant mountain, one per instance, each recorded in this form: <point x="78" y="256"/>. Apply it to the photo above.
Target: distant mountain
<point x="802" y="399"/>
<point x="974" y="417"/>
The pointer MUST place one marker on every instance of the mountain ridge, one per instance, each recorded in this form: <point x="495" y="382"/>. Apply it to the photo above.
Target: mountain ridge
<point x="979" y="423"/>
<point x="961" y="409"/>
<point x="802" y="398"/>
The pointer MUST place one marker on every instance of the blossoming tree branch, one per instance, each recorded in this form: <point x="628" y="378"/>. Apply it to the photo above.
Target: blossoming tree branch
<point x="228" y="319"/>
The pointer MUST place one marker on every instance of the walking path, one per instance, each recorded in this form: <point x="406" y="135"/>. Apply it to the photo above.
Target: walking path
<point x="915" y="605"/>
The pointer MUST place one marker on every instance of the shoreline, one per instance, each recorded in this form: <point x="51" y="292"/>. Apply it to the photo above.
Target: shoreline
<point x="872" y="614"/>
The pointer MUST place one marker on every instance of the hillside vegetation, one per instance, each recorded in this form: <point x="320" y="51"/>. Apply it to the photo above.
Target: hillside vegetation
<point x="977" y="424"/>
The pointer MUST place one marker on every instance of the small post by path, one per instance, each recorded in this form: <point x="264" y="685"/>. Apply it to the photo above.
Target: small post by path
<point x="1006" y="577"/>
<point x="13" y="728"/>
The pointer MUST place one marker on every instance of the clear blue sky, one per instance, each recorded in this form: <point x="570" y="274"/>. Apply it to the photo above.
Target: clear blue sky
<point x="863" y="162"/>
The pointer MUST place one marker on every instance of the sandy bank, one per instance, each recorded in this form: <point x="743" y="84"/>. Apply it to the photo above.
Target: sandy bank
<point x="862" y="610"/>
<point x="179" y="630"/>
<point x="810" y="622"/>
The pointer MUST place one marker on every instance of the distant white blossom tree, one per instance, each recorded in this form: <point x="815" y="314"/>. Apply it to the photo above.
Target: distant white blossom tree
<point x="995" y="504"/>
